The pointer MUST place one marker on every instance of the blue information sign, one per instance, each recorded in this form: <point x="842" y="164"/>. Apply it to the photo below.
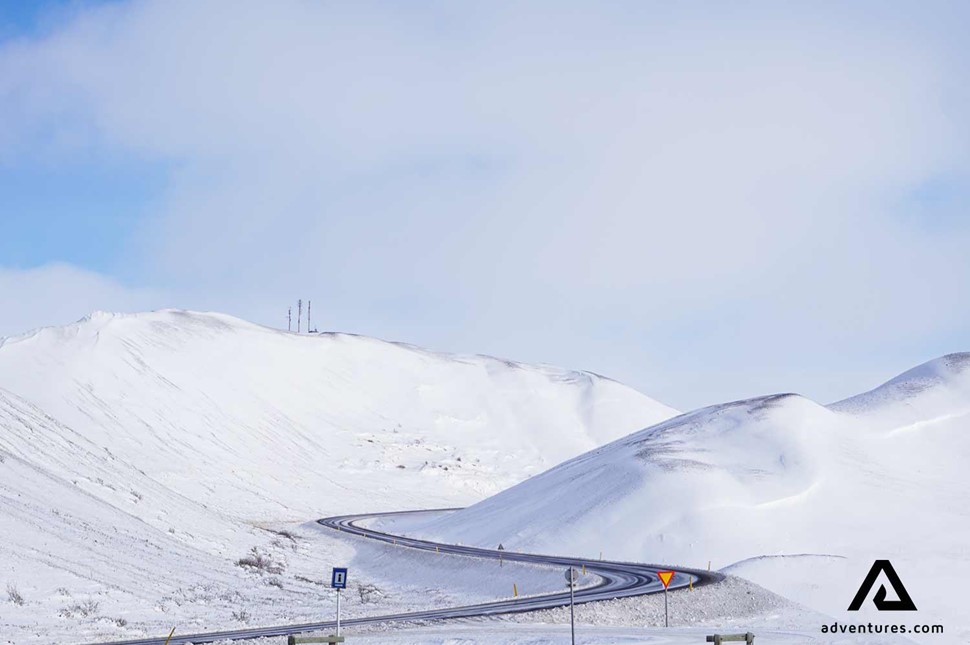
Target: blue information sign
<point x="339" y="578"/>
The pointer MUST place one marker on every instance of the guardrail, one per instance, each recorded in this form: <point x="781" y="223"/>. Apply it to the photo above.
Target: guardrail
<point x="296" y="640"/>
<point x="717" y="639"/>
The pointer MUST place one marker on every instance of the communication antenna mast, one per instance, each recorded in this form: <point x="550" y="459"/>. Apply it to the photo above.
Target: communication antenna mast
<point x="289" y="319"/>
<point x="299" y="314"/>
<point x="308" y="327"/>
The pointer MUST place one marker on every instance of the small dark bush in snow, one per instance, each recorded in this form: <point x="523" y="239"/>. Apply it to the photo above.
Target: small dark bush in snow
<point x="260" y="562"/>
<point x="13" y="595"/>
<point x="284" y="533"/>
<point x="80" y="609"/>
<point x="369" y="593"/>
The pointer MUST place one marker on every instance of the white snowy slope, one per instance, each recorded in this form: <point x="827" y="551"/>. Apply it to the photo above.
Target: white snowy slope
<point x="269" y="425"/>
<point x="799" y="497"/>
<point x="90" y="543"/>
<point x="141" y="456"/>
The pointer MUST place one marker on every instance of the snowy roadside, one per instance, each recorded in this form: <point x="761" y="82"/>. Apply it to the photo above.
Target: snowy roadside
<point x="733" y="606"/>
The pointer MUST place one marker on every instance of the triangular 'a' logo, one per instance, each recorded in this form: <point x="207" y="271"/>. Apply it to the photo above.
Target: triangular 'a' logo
<point x="905" y="603"/>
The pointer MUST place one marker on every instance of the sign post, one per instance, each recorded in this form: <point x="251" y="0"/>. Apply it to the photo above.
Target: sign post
<point x="665" y="578"/>
<point x="571" y="577"/>
<point x="338" y="580"/>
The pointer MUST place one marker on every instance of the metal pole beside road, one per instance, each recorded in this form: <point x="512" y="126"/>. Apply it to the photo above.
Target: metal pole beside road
<point x="665" y="578"/>
<point x="571" y="576"/>
<point x="572" y="615"/>
<point x="338" y="580"/>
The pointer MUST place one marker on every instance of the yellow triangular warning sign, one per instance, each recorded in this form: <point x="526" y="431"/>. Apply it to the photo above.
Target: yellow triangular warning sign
<point x="665" y="577"/>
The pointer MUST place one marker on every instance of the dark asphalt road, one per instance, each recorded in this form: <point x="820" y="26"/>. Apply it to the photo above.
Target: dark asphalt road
<point x="617" y="580"/>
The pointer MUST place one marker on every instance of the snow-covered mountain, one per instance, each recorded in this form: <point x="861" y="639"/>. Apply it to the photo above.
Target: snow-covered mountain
<point x="269" y="425"/>
<point x="798" y="496"/>
<point x="141" y="456"/>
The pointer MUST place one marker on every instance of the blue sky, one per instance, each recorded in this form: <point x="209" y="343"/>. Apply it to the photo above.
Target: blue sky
<point x="706" y="201"/>
<point x="81" y="213"/>
<point x="80" y="209"/>
<point x="18" y="19"/>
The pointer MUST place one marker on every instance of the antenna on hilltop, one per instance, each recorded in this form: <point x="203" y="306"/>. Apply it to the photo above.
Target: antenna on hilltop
<point x="299" y="314"/>
<point x="289" y="319"/>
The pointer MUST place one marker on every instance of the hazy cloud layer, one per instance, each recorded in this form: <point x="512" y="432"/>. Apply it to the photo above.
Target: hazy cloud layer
<point x="55" y="293"/>
<point x="708" y="203"/>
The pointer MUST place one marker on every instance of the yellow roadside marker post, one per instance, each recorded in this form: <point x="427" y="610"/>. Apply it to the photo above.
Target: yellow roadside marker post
<point x="170" y="634"/>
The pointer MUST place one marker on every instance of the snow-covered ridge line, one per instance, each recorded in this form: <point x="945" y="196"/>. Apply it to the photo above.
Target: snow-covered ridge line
<point x="943" y="373"/>
<point x="96" y="321"/>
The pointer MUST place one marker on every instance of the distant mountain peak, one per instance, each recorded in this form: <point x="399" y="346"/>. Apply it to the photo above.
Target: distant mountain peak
<point x="927" y="384"/>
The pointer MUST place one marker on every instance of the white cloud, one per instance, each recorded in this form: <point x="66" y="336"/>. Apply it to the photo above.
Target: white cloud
<point x="58" y="294"/>
<point x="638" y="192"/>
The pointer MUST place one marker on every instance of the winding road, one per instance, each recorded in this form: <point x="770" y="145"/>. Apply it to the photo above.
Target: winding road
<point x="615" y="580"/>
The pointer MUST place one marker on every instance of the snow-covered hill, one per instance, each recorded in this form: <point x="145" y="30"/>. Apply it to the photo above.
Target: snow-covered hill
<point x="91" y="542"/>
<point x="802" y="497"/>
<point x="269" y="425"/>
<point x="142" y="456"/>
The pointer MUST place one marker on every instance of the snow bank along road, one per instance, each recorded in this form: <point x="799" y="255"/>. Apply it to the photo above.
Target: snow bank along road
<point x="615" y="580"/>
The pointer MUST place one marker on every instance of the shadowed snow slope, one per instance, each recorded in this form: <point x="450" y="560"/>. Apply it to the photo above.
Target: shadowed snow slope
<point x="140" y="453"/>
<point x="881" y="475"/>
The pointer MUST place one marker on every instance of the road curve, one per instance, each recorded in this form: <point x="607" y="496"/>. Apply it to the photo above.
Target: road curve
<point x="616" y="580"/>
